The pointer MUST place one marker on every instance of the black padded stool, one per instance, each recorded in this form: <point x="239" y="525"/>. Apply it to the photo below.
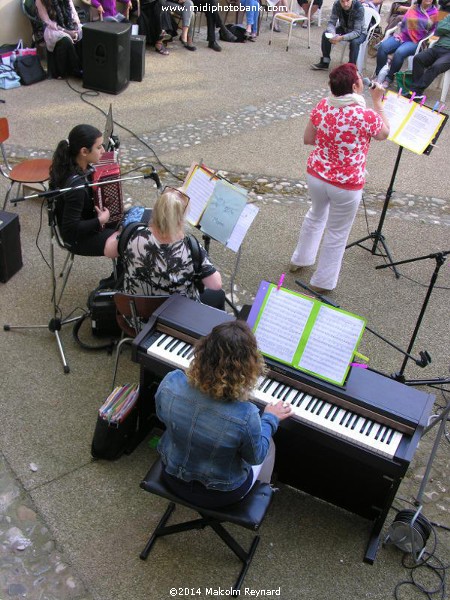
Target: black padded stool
<point x="248" y="512"/>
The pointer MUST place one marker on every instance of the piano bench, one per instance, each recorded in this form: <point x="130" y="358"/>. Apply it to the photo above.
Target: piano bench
<point x="248" y="512"/>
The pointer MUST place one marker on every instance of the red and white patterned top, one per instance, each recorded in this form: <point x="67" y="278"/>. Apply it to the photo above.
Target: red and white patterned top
<point x="342" y="142"/>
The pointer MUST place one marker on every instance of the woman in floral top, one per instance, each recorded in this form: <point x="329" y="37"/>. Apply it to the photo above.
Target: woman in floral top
<point x="158" y="259"/>
<point x="340" y="129"/>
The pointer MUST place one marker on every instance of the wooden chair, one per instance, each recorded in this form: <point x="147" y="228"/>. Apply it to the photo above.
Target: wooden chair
<point x="248" y="512"/>
<point x="34" y="171"/>
<point x="291" y="17"/>
<point x="131" y="311"/>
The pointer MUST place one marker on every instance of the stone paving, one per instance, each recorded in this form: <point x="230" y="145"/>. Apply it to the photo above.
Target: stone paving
<point x="31" y="565"/>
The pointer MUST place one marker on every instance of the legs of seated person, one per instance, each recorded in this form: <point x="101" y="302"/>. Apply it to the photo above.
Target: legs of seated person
<point x="102" y="243"/>
<point x="354" y="46"/>
<point x="401" y="51"/>
<point x="331" y="215"/>
<point x="427" y="65"/>
<point x="251" y="14"/>
<point x="66" y="61"/>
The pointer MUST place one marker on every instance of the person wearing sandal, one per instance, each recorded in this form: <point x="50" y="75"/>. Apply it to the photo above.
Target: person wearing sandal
<point x="213" y="21"/>
<point x="251" y="16"/>
<point x="185" y="9"/>
<point x="149" y="23"/>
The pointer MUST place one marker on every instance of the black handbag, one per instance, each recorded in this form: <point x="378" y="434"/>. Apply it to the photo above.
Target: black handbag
<point x="29" y="69"/>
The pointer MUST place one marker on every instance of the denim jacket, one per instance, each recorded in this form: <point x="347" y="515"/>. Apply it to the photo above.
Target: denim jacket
<point x="209" y="440"/>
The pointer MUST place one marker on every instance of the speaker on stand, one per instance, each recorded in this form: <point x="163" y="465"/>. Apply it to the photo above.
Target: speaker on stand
<point x="106" y="56"/>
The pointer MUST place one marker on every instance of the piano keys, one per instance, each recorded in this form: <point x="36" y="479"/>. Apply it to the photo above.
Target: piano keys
<point x="350" y="446"/>
<point x="308" y="408"/>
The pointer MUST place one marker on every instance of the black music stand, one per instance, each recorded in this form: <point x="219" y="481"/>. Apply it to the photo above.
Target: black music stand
<point x="377" y="236"/>
<point x="55" y="323"/>
<point x="440" y="258"/>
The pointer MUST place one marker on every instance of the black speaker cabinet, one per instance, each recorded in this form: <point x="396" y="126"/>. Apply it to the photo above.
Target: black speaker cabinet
<point x="10" y="249"/>
<point x="106" y="56"/>
<point x="137" y="57"/>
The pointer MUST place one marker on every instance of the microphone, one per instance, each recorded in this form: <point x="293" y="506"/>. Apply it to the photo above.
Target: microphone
<point x="154" y="175"/>
<point x="368" y="83"/>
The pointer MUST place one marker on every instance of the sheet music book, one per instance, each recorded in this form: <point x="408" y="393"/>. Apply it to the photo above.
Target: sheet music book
<point x="217" y="207"/>
<point x="303" y="332"/>
<point x="411" y="125"/>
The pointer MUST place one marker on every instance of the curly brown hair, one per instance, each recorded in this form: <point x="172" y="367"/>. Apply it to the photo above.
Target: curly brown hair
<point x="226" y="362"/>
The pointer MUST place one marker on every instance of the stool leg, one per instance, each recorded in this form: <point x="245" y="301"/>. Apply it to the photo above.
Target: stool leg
<point x="145" y="552"/>
<point x="247" y="562"/>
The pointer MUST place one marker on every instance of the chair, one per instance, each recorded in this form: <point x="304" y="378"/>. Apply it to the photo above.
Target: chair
<point x="292" y="18"/>
<point x="37" y="37"/>
<point x="34" y="171"/>
<point x="370" y="14"/>
<point x="131" y="311"/>
<point x="248" y="512"/>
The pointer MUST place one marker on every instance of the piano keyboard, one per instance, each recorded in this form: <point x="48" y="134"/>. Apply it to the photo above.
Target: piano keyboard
<point x="325" y="415"/>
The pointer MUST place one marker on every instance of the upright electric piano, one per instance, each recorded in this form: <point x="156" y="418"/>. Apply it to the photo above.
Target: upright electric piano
<point x="350" y="445"/>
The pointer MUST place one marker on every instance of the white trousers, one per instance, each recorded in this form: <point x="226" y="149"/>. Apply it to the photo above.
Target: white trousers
<point x="331" y="215"/>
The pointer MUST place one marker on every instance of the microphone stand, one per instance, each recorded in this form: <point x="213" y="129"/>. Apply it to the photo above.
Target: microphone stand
<point x="56" y="322"/>
<point x="440" y="258"/>
<point x="376" y="235"/>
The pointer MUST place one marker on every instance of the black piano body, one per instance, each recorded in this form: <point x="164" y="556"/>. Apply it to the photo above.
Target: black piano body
<point x="308" y="458"/>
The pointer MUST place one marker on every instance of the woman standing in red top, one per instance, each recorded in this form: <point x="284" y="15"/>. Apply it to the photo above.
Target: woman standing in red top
<point x="340" y="129"/>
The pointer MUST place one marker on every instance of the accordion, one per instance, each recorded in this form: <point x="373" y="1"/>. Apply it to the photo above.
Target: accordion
<point x="108" y="195"/>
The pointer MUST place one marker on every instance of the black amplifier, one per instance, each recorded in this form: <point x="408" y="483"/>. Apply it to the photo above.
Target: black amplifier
<point x="10" y="248"/>
<point x="103" y="314"/>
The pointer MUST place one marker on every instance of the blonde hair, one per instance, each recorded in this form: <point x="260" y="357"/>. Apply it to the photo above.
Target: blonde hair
<point x="168" y="213"/>
<point x="227" y="362"/>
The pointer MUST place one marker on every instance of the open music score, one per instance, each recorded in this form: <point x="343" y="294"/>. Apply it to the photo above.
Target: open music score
<point x="412" y="125"/>
<point x="305" y="333"/>
<point x="217" y="207"/>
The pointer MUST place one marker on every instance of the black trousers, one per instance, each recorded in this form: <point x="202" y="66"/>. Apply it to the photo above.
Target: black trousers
<point x="149" y="21"/>
<point x="427" y="65"/>
<point x="66" y="58"/>
<point x="213" y="19"/>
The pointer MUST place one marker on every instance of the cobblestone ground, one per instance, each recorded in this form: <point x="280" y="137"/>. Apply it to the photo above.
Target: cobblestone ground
<point x="31" y="565"/>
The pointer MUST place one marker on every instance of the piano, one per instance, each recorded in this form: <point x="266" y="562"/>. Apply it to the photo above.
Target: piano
<point x="350" y="446"/>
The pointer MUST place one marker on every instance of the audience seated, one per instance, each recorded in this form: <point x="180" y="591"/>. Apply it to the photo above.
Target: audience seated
<point x="149" y="22"/>
<point x="419" y="22"/>
<point x="186" y="9"/>
<point x="346" y="24"/>
<point x="251" y="17"/>
<point x="62" y="35"/>
<point x="213" y="22"/>
<point x="107" y="9"/>
<point x="430" y="63"/>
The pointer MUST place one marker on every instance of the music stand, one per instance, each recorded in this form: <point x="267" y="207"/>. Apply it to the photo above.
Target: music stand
<point x="377" y="235"/>
<point x="440" y="258"/>
<point x="56" y="322"/>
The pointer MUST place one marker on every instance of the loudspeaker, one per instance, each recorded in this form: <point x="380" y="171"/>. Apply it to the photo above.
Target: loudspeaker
<point x="106" y="56"/>
<point x="10" y="249"/>
<point x="137" y="57"/>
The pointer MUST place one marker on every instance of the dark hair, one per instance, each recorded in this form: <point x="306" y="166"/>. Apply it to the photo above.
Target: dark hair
<point x="227" y="362"/>
<point x="419" y="2"/>
<point x="64" y="161"/>
<point x="342" y="79"/>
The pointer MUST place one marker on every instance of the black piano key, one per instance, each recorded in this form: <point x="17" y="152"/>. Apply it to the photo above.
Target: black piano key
<point x="188" y="350"/>
<point x="280" y="390"/>
<point x="355" y="420"/>
<point x="286" y="394"/>
<point x="296" y="397"/>
<point x="330" y="410"/>
<point x="365" y="423"/>
<point x="262" y="383"/>
<point x="181" y="349"/>
<point x="317" y="405"/>
<point x="385" y="434"/>
<point x="310" y="403"/>
<point x="344" y="416"/>
<point x="349" y="419"/>
<point x="377" y="434"/>
<point x="161" y="339"/>
<point x="172" y="345"/>
<point x="369" y="429"/>
<point x="322" y="406"/>
<point x="391" y="435"/>
<point x="268" y="384"/>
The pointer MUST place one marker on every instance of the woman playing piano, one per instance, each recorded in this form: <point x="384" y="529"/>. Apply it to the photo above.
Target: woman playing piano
<point x="216" y="445"/>
<point x="158" y="259"/>
<point x="82" y="224"/>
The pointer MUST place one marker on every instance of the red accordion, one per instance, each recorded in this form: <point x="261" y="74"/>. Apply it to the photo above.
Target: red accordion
<point x="108" y="195"/>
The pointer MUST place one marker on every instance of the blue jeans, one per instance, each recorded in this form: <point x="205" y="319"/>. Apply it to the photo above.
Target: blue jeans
<point x="400" y="49"/>
<point x="251" y="13"/>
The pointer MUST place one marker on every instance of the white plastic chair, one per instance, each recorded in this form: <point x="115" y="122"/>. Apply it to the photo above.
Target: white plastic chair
<point x="369" y="14"/>
<point x="291" y="17"/>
